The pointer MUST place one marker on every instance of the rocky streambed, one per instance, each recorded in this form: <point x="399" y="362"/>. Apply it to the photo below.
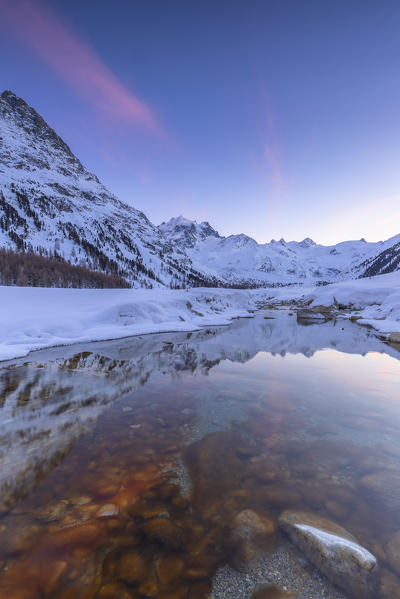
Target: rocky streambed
<point x="236" y="463"/>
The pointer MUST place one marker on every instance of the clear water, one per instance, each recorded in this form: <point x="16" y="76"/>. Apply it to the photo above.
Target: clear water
<point x="123" y="464"/>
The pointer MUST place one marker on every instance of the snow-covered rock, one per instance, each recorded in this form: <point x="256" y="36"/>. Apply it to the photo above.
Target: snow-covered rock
<point x="373" y="301"/>
<point x="333" y="550"/>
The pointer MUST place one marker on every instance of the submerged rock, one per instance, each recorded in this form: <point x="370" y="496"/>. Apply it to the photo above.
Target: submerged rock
<point x="311" y="315"/>
<point x="251" y="535"/>
<point x="163" y="531"/>
<point x="393" y="552"/>
<point x="114" y="590"/>
<point x="107" y="511"/>
<point x="394" y="338"/>
<point x="333" y="550"/>
<point x="52" y="512"/>
<point x="383" y="488"/>
<point x="178" y="593"/>
<point x="390" y="586"/>
<point x="148" y="588"/>
<point x="132" y="568"/>
<point x="271" y="592"/>
<point x="169" y="568"/>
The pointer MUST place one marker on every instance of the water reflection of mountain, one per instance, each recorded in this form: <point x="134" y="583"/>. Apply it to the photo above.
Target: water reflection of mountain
<point x="50" y="398"/>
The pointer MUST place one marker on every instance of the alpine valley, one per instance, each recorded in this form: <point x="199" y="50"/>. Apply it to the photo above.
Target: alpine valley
<point x="51" y="205"/>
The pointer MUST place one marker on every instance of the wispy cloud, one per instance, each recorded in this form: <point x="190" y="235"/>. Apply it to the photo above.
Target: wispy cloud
<point x="270" y="156"/>
<point x="76" y="63"/>
<point x="271" y="152"/>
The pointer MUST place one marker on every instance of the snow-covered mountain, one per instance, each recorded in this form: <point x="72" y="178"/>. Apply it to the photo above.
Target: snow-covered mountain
<point x="185" y="233"/>
<point x="239" y="259"/>
<point x="386" y="260"/>
<point x="51" y="204"/>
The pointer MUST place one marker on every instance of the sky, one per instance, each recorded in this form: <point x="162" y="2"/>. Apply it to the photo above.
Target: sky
<point x="274" y="118"/>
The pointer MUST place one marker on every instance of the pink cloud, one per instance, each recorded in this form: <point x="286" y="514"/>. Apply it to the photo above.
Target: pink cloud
<point x="271" y="148"/>
<point x="76" y="63"/>
<point x="274" y="166"/>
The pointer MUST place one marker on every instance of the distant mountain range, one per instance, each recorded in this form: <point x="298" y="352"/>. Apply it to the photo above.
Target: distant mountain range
<point x="51" y="204"/>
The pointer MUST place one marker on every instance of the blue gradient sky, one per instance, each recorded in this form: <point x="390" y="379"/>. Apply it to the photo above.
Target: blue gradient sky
<point x="273" y="118"/>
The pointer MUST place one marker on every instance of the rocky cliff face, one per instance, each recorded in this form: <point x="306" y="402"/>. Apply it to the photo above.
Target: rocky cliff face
<point x="185" y="233"/>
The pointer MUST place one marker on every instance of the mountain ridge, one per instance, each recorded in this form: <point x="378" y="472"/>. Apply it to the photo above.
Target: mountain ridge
<point x="51" y="204"/>
<point x="279" y="262"/>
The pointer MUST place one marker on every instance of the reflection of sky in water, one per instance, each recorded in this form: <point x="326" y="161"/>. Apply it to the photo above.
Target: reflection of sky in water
<point x="324" y="388"/>
<point x="328" y="376"/>
<point x="331" y="372"/>
<point x="50" y="397"/>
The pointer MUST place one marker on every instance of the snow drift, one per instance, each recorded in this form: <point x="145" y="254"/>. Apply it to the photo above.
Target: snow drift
<point x="33" y="318"/>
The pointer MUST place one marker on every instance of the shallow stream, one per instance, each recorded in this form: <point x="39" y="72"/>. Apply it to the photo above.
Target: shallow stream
<point x="124" y="464"/>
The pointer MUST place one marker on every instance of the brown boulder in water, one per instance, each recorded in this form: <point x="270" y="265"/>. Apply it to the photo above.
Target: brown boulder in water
<point x="163" y="531"/>
<point x="271" y="592"/>
<point x="252" y="534"/>
<point x="169" y="568"/>
<point x="114" y="590"/>
<point x="131" y="568"/>
<point x="393" y="552"/>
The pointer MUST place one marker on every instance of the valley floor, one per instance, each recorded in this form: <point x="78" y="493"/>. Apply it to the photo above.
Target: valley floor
<point x="34" y="318"/>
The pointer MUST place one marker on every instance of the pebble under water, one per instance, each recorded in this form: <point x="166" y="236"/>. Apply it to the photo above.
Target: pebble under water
<point x="160" y="466"/>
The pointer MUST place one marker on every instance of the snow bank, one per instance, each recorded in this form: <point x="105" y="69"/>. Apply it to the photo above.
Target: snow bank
<point x="34" y="318"/>
<point x="375" y="300"/>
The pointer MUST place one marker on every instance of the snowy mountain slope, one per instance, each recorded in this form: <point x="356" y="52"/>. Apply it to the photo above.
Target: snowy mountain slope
<point x="239" y="259"/>
<point x="186" y="233"/>
<point x="49" y="203"/>
<point x="386" y="260"/>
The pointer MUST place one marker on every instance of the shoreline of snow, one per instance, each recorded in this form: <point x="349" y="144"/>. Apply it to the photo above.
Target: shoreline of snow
<point x="33" y="318"/>
<point x="373" y="301"/>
